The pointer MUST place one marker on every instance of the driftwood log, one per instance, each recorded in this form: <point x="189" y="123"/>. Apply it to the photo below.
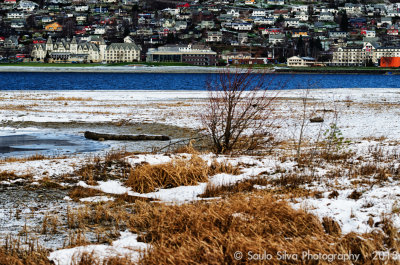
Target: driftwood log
<point x="126" y="137"/>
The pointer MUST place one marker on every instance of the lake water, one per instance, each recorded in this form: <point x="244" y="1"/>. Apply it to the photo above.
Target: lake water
<point x="46" y="144"/>
<point x="123" y="81"/>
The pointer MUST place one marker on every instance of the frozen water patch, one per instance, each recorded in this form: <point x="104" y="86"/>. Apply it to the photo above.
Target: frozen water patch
<point x="46" y="144"/>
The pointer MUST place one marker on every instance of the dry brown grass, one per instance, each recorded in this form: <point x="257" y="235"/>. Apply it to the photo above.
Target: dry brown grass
<point x="28" y="158"/>
<point x="90" y="259"/>
<point x="246" y="185"/>
<point x="23" y="252"/>
<point x="112" y="166"/>
<point x="7" y="176"/>
<point x="210" y="233"/>
<point x="179" y="172"/>
<point x="80" y="192"/>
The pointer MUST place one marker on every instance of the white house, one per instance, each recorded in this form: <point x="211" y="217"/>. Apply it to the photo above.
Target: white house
<point x="233" y="12"/>
<point x="300" y="8"/>
<point x="292" y="23"/>
<point x="302" y="16"/>
<point x="297" y="61"/>
<point x="82" y="8"/>
<point x="326" y="16"/>
<point x="276" y="2"/>
<point x="27" y="6"/>
<point x="264" y="21"/>
<point x="259" y="13"/>
<point x="214" y="36"/>
<point x="242" y="26"/>
<point x="15" y="15"/>
<point x="99" y="31"/>
<point x="276" y="38"/>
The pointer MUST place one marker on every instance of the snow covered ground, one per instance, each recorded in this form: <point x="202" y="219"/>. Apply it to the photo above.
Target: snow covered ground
<point x="369" y="118"/>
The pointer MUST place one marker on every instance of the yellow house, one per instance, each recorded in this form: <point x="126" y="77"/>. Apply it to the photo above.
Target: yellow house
<point x="53" y="27"/>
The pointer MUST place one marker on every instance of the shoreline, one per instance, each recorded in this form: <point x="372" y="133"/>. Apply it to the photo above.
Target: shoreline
<point x="111" y="69"/>
<point x="184" y="70"/>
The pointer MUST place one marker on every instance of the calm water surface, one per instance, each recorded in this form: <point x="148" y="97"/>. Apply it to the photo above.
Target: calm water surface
<point x="123" y="81"/>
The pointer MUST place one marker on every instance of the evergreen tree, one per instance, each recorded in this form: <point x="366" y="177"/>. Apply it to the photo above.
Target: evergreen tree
<point x="344" y="22"/>
<point x="300" y="46"/>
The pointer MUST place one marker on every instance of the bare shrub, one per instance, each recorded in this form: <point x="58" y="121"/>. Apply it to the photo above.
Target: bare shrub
<point x="238" y="107"/>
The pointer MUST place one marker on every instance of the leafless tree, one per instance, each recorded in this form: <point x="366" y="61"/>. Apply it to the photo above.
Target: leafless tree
<point x="239" y="110"/>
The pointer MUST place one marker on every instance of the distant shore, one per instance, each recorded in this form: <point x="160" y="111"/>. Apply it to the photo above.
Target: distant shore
<point x="111" y="69"/>
<point x="343" y="70"/>
<point x="190" y="69"/>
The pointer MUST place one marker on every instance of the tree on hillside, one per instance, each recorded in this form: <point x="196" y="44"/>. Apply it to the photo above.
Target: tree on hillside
<point x="344" y="22"/>
<point x="300" y="47"/>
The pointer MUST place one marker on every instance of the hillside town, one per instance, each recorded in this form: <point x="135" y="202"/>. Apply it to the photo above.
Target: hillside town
<point x="201" y="32"/>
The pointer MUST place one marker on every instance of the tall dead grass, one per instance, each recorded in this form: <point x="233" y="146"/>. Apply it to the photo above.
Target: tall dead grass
<point x="210" y="233"/>
<point x="179" y="172"/>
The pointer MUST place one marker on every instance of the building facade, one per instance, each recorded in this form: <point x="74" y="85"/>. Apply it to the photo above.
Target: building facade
<point x="96" y="51"/>
<point x="361" y="56"/>
<point x="190" y="54"/>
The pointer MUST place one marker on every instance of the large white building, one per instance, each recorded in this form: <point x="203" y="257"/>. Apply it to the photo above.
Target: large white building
<point x="360" y="56"/>
<point x="87" y="51"/>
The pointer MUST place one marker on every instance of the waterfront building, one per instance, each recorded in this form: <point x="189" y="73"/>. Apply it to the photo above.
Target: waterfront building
<point x="190" y="54"/>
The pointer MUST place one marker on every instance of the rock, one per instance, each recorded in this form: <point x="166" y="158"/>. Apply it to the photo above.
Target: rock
<point x="317" y="119"/>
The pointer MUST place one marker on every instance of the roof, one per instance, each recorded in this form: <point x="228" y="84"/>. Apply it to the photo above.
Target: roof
<point x="123" y="46"/>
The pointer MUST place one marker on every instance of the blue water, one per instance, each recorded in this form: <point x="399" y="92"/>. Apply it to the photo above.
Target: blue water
<point x="122" y="81"/>
<point x="46" y="144"/>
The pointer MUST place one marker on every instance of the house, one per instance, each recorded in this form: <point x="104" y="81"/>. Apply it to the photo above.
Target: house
<point x="264" y="21"/>
<point x="351" y="8"/>
<point x="99" y="31"/>
<point x="259" y="13"/>
<point x="393" y="30"/>
<point x="276" y="38"/>
<point x="281" y="12"/>
<point x="233" y="12"/>
<point x="242" y="26"/>
<point x="53" y="27"/>
<point x="18" y="24"/>
<point x="27" y="6"/>
<point x="300" y="8"/>
<point x="292" y="23"/>
<point x="81" y="8"/>
<point x="15" y="15"/>
<point x="214" y="36"/>
<point x="297" y="33"/>
<point x="81" y="18"/>
<point x="297" y="61"/>
<point x="302" y="16"/>
<point x="10" y="2"/>
<point x="11" y="42"/>
<point x="337" y="34"/>
<point x="368" y="33"/>
<point x="250" y="2"/>
<point x="241" y="58"/>
<point x="276" y="2"/>
<point x="271" y="31"/>
<point x="242" y="38"/>
<point x="326" y="16"/>
<point x="47" y="19"/>
<point x="207" y="24"/>
<point x="385" y="21"/>
<point x="181" y="25"/>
